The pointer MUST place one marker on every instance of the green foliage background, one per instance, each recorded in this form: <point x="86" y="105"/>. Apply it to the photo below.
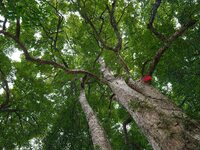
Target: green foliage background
<point x="46" y="98"/>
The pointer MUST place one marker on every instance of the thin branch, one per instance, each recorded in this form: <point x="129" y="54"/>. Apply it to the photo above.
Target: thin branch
<point x="154" y="11"/>
<point x="123" y="63"/>
<point x="5" y="104"/>
<point x="110" y="104"/>
<point x="114" y="25"/>
<point x="102" y="23"/>
<point x="99" y="55"/>
<point x="103" y="44"/>
<point x="125" y="123"/>
<point x="60" y="19"/>
<point x="123" y="12"/>
<point x="172" y="38"/>
<point x="28" y="57"/>
<point x="144" y="66"/>
<point x="179" y="32"/>
<point x="4" y="24"/>
<point x="17" y="29"/>
<point x="151" y="20"/>
<point x="168" y="41"/>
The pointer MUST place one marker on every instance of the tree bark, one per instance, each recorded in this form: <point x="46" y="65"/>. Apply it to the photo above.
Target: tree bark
<point x="99" y="137"/>
<point x="162" y="122"/>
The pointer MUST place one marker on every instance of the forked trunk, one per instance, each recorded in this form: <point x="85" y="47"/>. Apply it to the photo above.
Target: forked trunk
<point x="99" y="138"/>
<point x="163" y="123"/>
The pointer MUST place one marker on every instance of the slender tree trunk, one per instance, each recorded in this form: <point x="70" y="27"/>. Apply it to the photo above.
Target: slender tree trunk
<point x="99" y="137"/>
<point x="163" y="123"/>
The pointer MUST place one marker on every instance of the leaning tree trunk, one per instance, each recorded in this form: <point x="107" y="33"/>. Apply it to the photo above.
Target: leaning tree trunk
<point x="99" y="137"/>
<point x="163" y="123"/>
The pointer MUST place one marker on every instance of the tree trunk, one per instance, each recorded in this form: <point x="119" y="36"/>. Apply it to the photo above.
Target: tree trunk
<point x="99" y="137"/>
<point x="163" y="123"/>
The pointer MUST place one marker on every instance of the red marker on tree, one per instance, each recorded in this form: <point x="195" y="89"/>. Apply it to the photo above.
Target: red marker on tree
<point x="146" y="79"/>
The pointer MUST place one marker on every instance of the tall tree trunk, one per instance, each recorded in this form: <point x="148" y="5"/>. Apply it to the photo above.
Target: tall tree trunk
<point x="99" y="137"/>
<point x="163" y="123"/>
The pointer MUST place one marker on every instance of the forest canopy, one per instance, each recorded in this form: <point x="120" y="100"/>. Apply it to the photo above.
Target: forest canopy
<point x="100" y="74"/>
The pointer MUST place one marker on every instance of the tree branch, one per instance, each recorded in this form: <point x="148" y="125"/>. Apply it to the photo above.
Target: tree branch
<point x="170" y="40"/>
<point x="5" y="104"/>
<point x="123" y="63"/>
<point x="114" y="25"/>
<point x="4" y="24"/>
<point x="60" y="20"/>
<point x="103" y="44"/>
<point x="17" y="29"/>
<point x="28" y="57"/>
<point x="123" y="12"/>
<point x="151" y="20"/>
<point x="97" y="33"/>
<point x="181" y="31"/>
<point x="102" y="23"/>
<point x="125" y="123"/>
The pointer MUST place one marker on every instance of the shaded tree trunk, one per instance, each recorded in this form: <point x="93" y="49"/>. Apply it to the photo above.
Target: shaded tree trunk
<point x="99" y="137"/>
<point x="163" y="123"/>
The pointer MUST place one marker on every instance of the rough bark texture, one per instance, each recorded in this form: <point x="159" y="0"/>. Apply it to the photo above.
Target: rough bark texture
<point x="99" y="138"/>
<point x="163" y="123"/>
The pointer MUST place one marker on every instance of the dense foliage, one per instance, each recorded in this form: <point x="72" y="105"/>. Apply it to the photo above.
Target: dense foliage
<point x="39" y="106"/>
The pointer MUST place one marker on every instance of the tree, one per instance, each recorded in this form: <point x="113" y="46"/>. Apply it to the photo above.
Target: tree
<point x="117" y="45"/>
<point x="99" y="138"/>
